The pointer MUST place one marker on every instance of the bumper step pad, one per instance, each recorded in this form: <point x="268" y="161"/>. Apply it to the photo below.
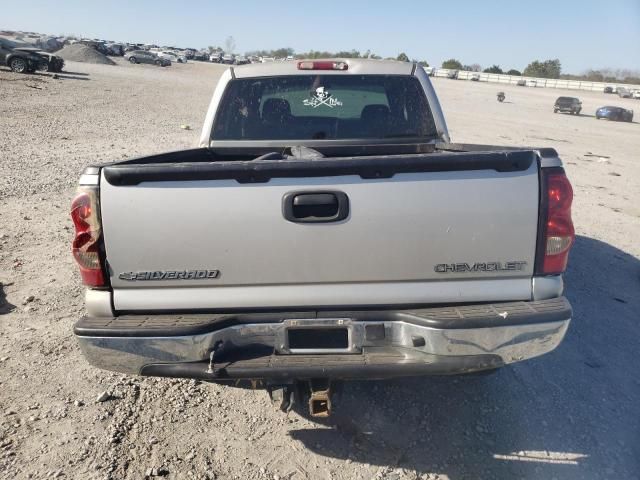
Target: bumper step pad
<point x="468" y="316"/>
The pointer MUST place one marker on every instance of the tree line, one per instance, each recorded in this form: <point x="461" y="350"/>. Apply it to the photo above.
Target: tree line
<point x="551" y="68"/>
<point x="290" y="52"/>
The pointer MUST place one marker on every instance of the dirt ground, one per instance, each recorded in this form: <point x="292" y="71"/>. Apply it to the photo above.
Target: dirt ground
<point x="572" y="414"/>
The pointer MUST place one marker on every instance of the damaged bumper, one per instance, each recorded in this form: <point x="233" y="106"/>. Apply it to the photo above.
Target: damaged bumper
<point x="338" y="344"/>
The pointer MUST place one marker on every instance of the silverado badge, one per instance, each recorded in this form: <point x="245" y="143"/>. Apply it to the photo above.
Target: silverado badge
<point x="170" y="275"/>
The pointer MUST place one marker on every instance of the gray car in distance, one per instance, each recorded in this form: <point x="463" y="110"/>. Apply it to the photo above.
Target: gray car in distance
<point x="143" y="56"/>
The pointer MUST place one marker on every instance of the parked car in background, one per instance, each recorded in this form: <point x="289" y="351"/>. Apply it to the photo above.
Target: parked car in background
<point x="116" y="49"/>
<point x="475" y="77"/>
<point x="618" y="114"/>
<point x="267" y="59"/>
<point x="228" y="58"/>
<point x="144" y="56"/>
<point x="17" y="60"/>
<point x="624" y="92"/>
<point x="452" y="75"/>
<point x="48" y="61"/>
<point x="636" y="94"/>
<point x="608" y="89"/>
<point x="242" y="60"/>
<point x="215" y="57"/>
<point x="174" y="57"/>
<point x="567" y="105"/>
<point x="97" y="44"/>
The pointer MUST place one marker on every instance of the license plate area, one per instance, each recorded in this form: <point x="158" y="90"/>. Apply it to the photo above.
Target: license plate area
<point x="313" y="337"/>
<point x="318" y="338"/>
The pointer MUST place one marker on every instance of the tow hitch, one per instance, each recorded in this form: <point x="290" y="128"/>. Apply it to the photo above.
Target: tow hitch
<point x="320" y="398"/>
<point x="317" y="391"/>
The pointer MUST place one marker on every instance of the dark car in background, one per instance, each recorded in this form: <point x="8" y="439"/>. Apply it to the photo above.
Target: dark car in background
<point x="17" y="60"/>
<point x="570" y="105"/>
<point x="608" y="89"/>
<point x="618" y="114"/>
<point x="144" y="56"/>
<point x="48" y="61"/>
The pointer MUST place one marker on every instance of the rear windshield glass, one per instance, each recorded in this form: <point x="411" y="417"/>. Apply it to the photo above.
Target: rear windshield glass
<point x="566" y="99"/>
<point x="319" y="107"/>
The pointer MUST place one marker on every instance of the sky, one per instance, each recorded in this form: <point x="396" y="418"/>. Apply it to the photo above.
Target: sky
<point x="582" y="34"/>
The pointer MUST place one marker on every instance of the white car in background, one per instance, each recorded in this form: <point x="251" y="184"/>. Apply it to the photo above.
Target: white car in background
<point x="174" y="57"/>
<point x="267" y="59"/>
<point x="636" y="94"/>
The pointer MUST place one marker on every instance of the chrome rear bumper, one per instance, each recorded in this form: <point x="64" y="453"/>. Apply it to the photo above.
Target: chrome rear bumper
<point x="438" y="340"/>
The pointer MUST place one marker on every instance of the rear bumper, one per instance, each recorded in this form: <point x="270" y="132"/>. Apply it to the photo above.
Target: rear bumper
<point x="381" y="344"/>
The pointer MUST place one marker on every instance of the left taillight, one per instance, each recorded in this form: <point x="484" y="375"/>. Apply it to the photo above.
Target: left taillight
<point x="87" y="241"/>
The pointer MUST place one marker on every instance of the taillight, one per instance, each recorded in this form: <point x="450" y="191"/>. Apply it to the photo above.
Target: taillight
<point x="86" y="245"/>
<point x="322" y="65"/>
<point x="556" y="234"/>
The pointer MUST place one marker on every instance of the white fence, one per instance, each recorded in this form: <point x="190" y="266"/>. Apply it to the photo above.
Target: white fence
<point x="532" y="81"/>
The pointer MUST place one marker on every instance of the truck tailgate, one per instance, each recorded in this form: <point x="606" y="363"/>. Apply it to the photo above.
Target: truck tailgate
<point x="462" y="228"/>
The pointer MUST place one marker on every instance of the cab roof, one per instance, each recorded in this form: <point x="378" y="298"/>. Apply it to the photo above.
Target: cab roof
<point x="356" y="66"/>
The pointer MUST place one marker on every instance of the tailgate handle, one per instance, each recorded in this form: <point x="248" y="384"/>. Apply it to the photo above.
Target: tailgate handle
<point x="315" y="207"/>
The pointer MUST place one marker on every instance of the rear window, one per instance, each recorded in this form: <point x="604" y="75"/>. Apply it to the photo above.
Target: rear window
<point x="316" y="107"/>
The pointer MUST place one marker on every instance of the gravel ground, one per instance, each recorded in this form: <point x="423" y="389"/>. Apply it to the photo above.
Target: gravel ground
<point x="572" y="414"/>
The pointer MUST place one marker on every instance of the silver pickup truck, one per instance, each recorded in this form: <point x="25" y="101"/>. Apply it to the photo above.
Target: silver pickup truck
<point x="326" y="229"/>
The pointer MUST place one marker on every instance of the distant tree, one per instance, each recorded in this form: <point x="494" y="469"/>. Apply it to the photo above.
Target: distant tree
<point x="402" y="57"/>
<point x="315" y="54"/>
<point x="493" y="69"/>
<point x="229" y="44"/>
<point x="515" y="72"/>
<point x="452" y="64"/>
<point x="280" y="52"/>
<point x="546" y="69"/>
<point x="424" y="63"/>
<point x="375" y="57"/>
<point x="348" y="54"/>
<point x="475" y="67"/>
<point x="212" y="49"/>
<point x="595" y="76"/>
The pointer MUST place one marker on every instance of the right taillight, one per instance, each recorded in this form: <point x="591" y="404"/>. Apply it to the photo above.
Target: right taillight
<point x="86" y="245"/>
<point x="556" y="227"/>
